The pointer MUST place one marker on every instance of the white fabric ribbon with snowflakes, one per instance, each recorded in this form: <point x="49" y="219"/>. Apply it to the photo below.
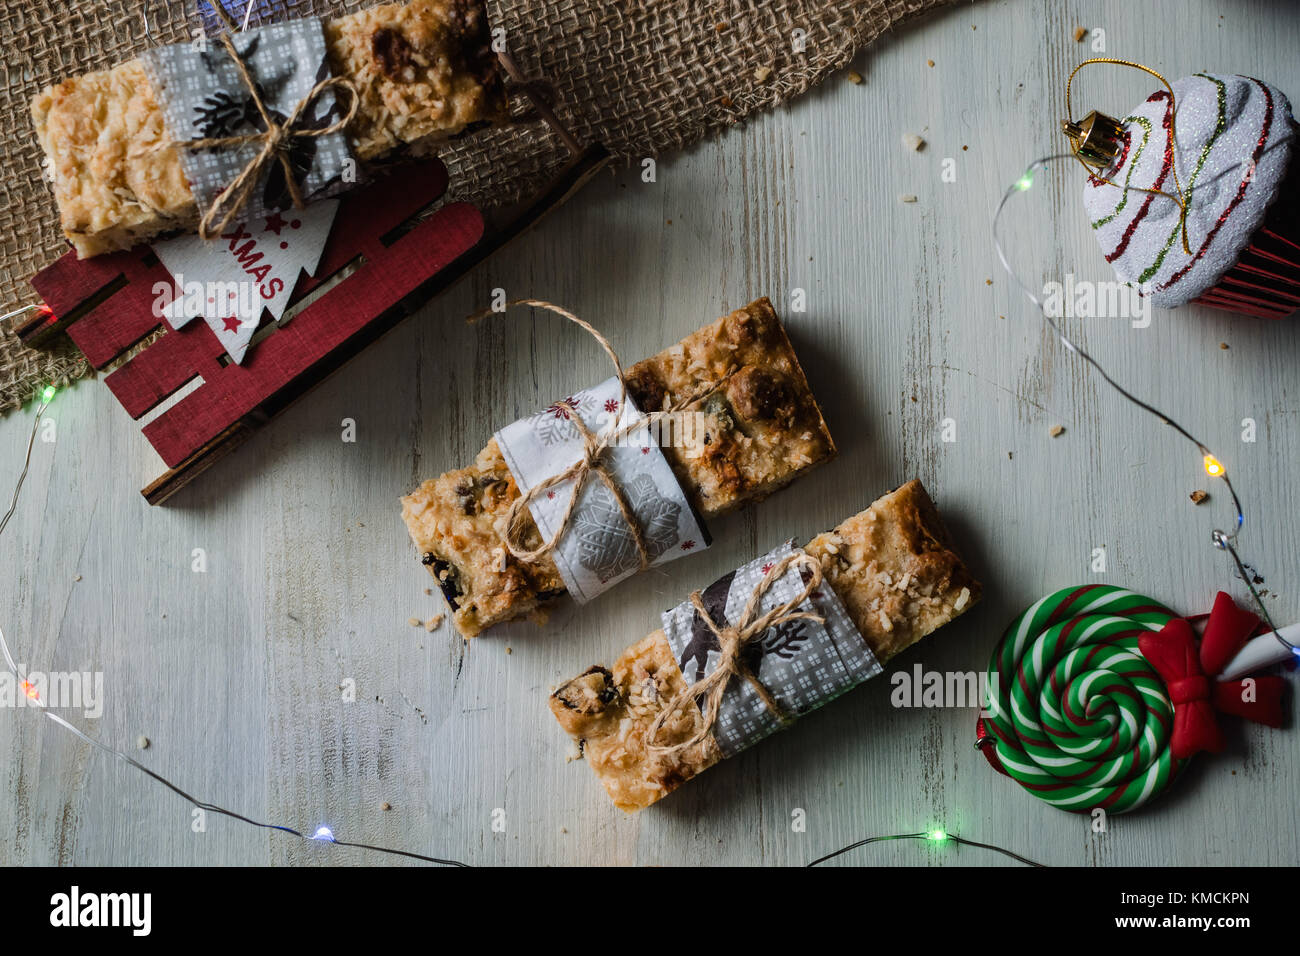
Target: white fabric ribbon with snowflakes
<point x="597" y="550"/>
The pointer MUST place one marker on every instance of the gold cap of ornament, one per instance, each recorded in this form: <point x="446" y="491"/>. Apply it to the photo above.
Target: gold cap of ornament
<point x="1095" y="139"/>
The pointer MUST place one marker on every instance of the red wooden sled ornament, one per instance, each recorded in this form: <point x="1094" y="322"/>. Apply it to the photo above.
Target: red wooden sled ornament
<point x="106" y="306"/>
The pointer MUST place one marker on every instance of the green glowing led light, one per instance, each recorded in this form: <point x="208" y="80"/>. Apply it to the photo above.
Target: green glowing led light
<point x="937" y="836"/>
<point x="48" y="393"/>
<point x="1025" y="181"/>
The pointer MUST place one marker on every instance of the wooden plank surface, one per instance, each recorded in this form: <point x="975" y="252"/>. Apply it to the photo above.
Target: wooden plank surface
<point x="234" y="673"/>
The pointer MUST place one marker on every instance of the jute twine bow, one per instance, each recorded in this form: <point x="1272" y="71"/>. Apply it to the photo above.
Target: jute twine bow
<point x="276" y="140"/>
<point x="592" y="461"/>
<point x="732" y="640"/>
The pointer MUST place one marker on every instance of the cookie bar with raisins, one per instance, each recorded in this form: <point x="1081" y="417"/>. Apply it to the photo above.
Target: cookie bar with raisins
<point x="894" y="568"/>
<point x="761" y="428"/>
<point x="424" y="71"/>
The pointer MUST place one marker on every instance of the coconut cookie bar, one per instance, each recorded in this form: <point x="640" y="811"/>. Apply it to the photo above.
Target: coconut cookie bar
<point x="424" y="72"/>
<point x="761" y="429"/>
<point x="892" y="566"/>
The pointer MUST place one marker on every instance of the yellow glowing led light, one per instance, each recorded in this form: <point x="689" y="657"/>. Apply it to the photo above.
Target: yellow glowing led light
<point x="1213" y="467"/>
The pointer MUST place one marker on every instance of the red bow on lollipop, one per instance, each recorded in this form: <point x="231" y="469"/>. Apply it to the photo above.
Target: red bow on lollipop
<point x="1190" y="676"/>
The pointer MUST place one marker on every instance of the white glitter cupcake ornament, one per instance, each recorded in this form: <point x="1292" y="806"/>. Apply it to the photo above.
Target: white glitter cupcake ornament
<point x="1230" y="158"/>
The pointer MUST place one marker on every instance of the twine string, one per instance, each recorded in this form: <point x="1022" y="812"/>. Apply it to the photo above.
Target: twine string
<point x="1180" y="199"/>
<point x="593" y="460"/>
<point x="540" y="107"/>
<point x="732" y="641"/>
<point x="276" y="139"/>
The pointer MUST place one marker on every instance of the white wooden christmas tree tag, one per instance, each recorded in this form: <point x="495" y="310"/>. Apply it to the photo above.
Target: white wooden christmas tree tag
<point x="232" y="279"/>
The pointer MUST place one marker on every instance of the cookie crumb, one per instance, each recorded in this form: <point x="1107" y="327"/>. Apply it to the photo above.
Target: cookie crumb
<point x="142" y="742"/>
<point x="1198" y="496"/>
<point x="1080" y="33"/>
<point x="721" y="26"/>
<point x="428" y="590"/>
<point x="913" y="142"/>
<point x="1222" y="345"/>
<point x="929" y="63"/>
<point x="1056" y="431"/>
<point x="762" y="73"/>
<point x="433" y="622"/>
<point x="385" y="806"/>
<point x="509" y="650"/>
<point x="77" y="579"/>
<point x="725" y="102"/>
<point x="907" y="197"/>
<point x="855" y="77"/>
<point x="414" y="621"/>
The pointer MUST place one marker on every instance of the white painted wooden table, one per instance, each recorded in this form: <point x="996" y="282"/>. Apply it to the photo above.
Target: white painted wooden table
<point x="234" y="674"/>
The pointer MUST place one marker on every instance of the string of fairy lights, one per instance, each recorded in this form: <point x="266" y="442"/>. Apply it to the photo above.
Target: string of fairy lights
<point x="1214" y="467"/>
<point x="1221" y="539"/>
<point x="321" y="834"/>
<point x="934" y="837"/>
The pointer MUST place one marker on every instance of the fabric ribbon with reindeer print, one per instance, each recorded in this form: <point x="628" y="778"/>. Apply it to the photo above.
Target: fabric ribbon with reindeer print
<point x="798" y="664"/>
<point x="206" y="96"/>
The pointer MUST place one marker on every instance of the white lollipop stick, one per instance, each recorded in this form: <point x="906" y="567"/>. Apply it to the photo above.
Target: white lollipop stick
<point x="1261" y="652"/>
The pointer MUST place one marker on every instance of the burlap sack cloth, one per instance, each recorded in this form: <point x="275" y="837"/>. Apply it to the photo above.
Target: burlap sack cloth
<point x="641" y="76"/>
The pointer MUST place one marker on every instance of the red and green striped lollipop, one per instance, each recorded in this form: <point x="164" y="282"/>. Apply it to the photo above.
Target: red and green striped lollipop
<point x="1077" y="715"/>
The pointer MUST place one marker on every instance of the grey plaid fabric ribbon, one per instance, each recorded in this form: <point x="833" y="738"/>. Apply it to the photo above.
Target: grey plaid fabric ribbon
<point x="801" y="663"/>
<point x="204" y="97"/>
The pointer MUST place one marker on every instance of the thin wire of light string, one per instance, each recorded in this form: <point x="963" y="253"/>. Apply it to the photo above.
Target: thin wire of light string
<point x="1222" y="540"/>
